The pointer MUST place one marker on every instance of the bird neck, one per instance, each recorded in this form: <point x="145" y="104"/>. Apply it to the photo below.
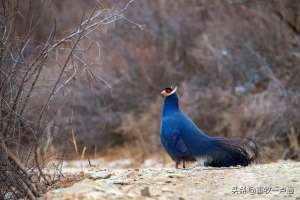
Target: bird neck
<point x="171" y="105"/>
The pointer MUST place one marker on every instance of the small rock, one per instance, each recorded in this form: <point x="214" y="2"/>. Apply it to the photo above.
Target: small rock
<point x="175" y="176"/>
<point x="121" y="181"/>
<point x="145" y="192"/>
<point x="132" y="174"/>
<point x="166" y="189"/>
<point x="100" y="175"/>
<point x="170" y="171"/>
<point x="81" y="174"/>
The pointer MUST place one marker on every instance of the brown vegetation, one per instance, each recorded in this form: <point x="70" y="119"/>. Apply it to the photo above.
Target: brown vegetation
<point x="26" y="95"/>
<point x="235" y="62"/>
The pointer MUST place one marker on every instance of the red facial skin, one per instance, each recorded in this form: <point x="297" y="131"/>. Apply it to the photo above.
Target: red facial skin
<point x="168" y="90"/>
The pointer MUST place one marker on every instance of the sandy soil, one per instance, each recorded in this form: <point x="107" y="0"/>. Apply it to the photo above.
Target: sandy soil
<point x="279" y="180"/>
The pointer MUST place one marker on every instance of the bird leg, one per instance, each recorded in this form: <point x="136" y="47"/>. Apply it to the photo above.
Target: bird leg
<point x="176" y="164"/>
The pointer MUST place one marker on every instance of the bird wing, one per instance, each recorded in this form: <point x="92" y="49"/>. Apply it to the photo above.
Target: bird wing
<point x="180" y="145"/>
<point x="174" y="144"/>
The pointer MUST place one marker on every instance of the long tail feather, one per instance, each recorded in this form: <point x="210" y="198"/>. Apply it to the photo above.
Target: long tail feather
<point x="251" y="148"/>
<point x="232" y="152"/>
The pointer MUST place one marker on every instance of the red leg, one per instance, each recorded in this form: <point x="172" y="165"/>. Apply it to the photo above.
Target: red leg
<point x="176" y="164"/>
<point x="183" y="164"/>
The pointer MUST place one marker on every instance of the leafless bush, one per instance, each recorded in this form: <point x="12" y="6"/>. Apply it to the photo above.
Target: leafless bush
<point x="24" y="130"/>
<point x="137" y="128"/>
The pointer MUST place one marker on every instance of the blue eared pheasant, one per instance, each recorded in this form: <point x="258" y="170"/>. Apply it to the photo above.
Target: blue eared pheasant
<point x="184" y="141"/>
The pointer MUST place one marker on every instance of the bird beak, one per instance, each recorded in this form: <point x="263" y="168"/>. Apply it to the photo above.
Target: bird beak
<point x="163" y="93"/>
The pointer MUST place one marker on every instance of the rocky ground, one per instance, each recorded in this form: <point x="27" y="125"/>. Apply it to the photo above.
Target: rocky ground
<point x="279" y="180"/>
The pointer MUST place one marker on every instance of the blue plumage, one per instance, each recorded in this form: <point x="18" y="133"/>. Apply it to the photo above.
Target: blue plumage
<point x="184" y="141"/>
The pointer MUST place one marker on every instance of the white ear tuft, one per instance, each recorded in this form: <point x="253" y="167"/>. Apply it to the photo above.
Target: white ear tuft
<point x="174" y="90"/>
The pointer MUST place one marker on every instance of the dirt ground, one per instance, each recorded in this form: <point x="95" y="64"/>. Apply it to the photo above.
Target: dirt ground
<point x="279" y="180"/>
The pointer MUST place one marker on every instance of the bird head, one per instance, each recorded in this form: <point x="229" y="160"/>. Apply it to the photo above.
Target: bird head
<point x="168" y="91"/>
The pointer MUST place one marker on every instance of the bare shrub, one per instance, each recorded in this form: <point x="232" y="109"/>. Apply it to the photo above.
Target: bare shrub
<point x="143" y="129"/>
<point x="25" y="127"/>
